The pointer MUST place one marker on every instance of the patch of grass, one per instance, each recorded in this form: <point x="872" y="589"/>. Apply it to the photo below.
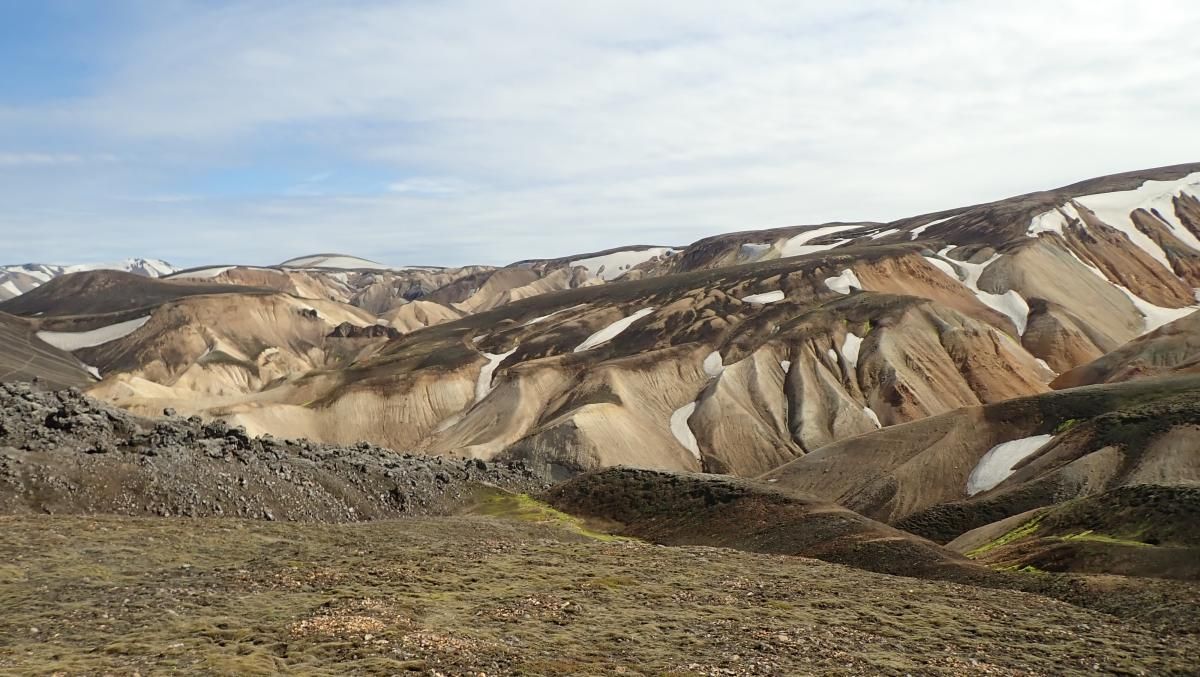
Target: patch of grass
<point x="525" y="508"/>
<point x="1026" y="569"/>
<point x="1027" y="529"/>
<point x="613" y="582"/>
<point x="1066" y="425"/>
<point x="1090" y="535"/>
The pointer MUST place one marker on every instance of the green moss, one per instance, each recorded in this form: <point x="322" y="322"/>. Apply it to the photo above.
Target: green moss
<point x="1027" y="529"/>
<point x="613" y="582"/>
<point x="1026" y="569"/>
<point x="1090" y="535"/>
<point x="1066" y="425"/>
<point x="525" y="508"/>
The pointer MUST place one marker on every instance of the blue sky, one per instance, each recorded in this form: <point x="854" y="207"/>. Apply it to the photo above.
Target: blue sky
<point x="486" y="131"/>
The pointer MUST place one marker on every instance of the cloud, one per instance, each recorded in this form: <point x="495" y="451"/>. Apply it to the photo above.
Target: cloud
<point x="53" y="159"/>
<point x="544" y="128"/>
<point x="428" y="186"/>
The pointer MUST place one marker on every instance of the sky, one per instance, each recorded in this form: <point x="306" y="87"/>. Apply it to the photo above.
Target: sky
<point x="415" y="132"/>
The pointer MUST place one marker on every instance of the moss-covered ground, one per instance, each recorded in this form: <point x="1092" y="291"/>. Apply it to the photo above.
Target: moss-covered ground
<point x="518" y="592"/>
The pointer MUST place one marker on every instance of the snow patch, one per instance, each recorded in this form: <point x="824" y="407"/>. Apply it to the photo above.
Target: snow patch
<point x="765" y="297"/>
<point x="614" y="265"/>
<point x="713" y="364"/>
<point x="842" y="283"/>
<point x="93" y="371"/>
<point x="1053" y="221"/>
<point x="1115" y="209"/>
<point x="76" y="340"/>
<point x="547" y="316"/>
<point x="851" y="348"/>
<point x="1156" y="316"/>
<point x="10" y="289"/>
<point x="943" y="266"/>
<point x="484" y="385"/>
<point x="798" y="244"/>
<point x="338" y="261"/>
<point x="916" y="232"/>
<point x="786" y="365"/>
<point x="1009" y="303"/>
<point x="885" y="233"/>
<point x="871" y="415"/>
<point x="612" y="331"/>
<point x="997" y="464"/>
<point x="539" y="318"/>
<point x="682" y="431"/>
<point x="202" y="274"/>
<point x="753" y="251"/>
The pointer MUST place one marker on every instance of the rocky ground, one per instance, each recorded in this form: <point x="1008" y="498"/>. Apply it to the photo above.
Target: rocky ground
<point x="472" y="595"/>
<point x="61" y="452"/>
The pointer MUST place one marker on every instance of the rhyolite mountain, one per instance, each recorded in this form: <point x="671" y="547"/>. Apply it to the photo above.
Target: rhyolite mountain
<point x="941" y="373"/>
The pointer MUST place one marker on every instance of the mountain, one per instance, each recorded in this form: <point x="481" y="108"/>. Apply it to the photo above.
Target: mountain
<point x="334" y="261"/>
<point x="18" y="279"/>
<point x="985" y="417"/>
<point x="735" y="354"/>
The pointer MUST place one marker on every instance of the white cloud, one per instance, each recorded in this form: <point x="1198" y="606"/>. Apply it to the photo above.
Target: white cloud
<point x="547" y="128"/>
<point x="428" y="186"/>
<point x="52" y="159"/>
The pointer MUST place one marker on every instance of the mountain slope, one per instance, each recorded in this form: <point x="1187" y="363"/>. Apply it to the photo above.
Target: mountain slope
<point x="18" y="279"/>
<point x="104" y="292"/>
<point x="25" y="357"/>
<point x="1084" y="441"/>
<point x="1174" y="347"/>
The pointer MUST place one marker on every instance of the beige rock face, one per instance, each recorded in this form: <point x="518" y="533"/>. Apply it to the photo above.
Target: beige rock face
<point x="228" y="344"/>
<point x="1046" y="270"/>
<point x="417" y="314"/>
<point x="824" y="401"/>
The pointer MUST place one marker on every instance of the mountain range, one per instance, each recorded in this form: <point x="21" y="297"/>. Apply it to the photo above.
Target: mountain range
<point x="1004" y="387"/>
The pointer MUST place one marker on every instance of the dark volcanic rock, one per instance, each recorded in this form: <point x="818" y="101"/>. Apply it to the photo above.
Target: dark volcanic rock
<point x="347" y="330"/>
<point x="61" y="452"/>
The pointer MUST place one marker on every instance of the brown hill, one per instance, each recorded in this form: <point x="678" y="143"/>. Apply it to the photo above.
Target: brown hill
<point x="99" y="292"/>
<point x="1175" y="347"/>
<point x="25" y="357"/>
<point x="917" y="475"/>
<point x="1135" y="530"/>
<point x="715" y="510"/>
